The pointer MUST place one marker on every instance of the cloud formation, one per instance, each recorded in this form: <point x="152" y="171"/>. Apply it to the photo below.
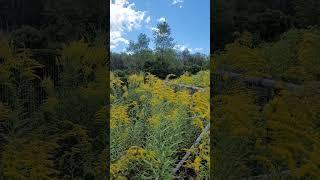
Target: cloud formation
<point x="154" y="29"/>
<point x="177" y="2"/>
<point x="161" y="19"/>
<point x="123" y="17"/>
<point x="148" y="19"/>
<point x="181" y="47"/>
<point x="174" y="2"/>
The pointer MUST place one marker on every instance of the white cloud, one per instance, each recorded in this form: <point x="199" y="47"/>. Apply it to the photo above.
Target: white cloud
<point x="116" y="38"/>
<point x="194" y="50"/>
<point x="197" y="49"/>
<point x="181" y="47"/>
<point x="154" y="29"/>
<point x="123" y="18"/>
<point x="148" y="19"/>
<point x="176" y="1"/>
<point x="161" y="19"/>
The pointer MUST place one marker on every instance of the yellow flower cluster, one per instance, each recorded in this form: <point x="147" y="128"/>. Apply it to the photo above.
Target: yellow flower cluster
<point x="186" y="78"/>
<point x="114" y="81"/>
<point x="157" y="102"/>
<point x="118" y="115"/>
<point x="201" y="107"/>
<point x="158" y="89"/>
<point x="201" y="79"/>
<point x="159" y="92"/>
<point x="134" y="153"/>
<point x="201" y="157"/>
<point x="135" y="78"/>
<point x="184" y="98"/>
<point x="196" y="164"/>
<point x="155" y="120"/>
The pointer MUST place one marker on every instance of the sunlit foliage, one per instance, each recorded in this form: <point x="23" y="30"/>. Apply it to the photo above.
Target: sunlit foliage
<point x="153" y="124"/>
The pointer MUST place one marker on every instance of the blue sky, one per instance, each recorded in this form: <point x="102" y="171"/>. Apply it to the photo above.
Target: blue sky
<point x="189" y="21"/>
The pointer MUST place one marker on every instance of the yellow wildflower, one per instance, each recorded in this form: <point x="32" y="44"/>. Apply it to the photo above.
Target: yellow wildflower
<point x="202" y="104"/>
<point x="136" y="79"/>
<point x="183" y="98"/>
<point x="198" y="123"/>
<point x="155" y="121"/>
<point x="133" y="153"/>
<point x="118" y="114"/>
<point x="196" y="164"/>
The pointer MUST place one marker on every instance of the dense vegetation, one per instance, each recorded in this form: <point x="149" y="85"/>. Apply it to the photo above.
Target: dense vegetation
<point x="49" y="128"/>
<point x="154" y="122"/>
<point x="266" y="114"/>
<point x="53" y="83"/>
<point x="265" y="87"/>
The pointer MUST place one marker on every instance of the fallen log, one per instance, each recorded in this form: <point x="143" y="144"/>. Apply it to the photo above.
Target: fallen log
<point x="256" y="81"/>
<point x="252" y="81"/>
<point x="193" y="88"/>
<point x="188" y="153"/>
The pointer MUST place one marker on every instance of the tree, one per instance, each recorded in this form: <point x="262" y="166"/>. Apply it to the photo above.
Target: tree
<point x="141" y="45"/>
<point x="185" y="54"/>
<point x="162" y="37"/>
<point x="139" y="53"/>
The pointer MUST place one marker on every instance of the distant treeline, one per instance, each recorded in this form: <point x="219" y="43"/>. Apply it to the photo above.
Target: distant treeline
<point x="161" y="61"/>
<point x="265" y="19"/>
<point x="59" y="20"/>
